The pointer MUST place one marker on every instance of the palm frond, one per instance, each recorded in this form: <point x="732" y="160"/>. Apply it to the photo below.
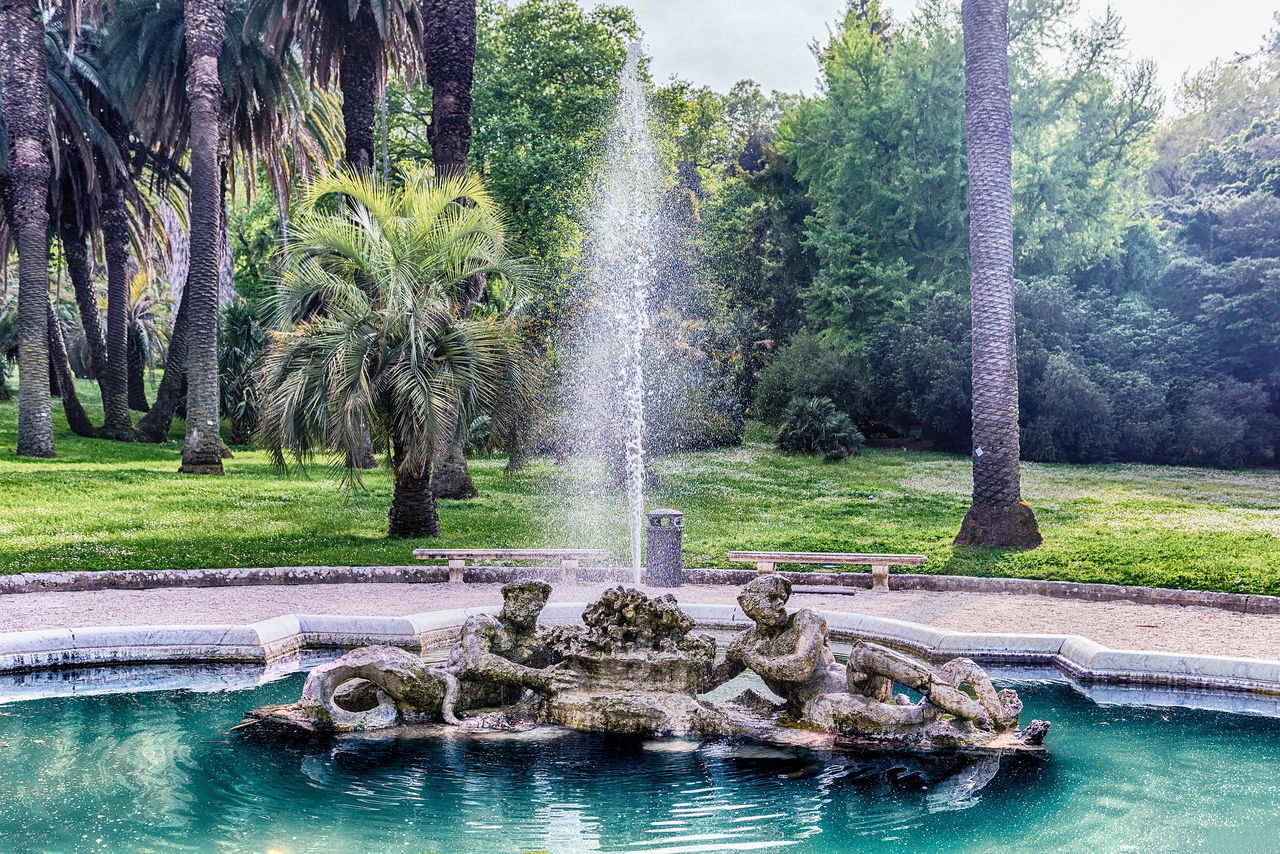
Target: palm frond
<point x="370" y="328"/>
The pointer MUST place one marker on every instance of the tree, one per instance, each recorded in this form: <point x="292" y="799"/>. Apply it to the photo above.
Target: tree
<point x="205" y="28"/>
<point x="392" y="350"/>
<point x="998" y="516"/>
<point x="350" y="42"/>
<point x="93" y="188"/>
<point x="449" y="56"/>
<point x="25" y="96"/>
<point x="148" y="64"/>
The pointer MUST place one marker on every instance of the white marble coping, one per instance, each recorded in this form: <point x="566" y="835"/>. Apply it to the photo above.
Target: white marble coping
<point x="289" y="635"/>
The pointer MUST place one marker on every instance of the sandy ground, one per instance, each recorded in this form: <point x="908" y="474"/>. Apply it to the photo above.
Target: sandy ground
<point x="1164" y="628"/>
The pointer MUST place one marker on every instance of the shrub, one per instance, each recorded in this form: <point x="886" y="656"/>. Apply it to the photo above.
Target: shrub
<point x="920" y="373"/>
<point x="806" y="368"/>
<point x="812" y="425"/>
<point x="1068" y="417"/>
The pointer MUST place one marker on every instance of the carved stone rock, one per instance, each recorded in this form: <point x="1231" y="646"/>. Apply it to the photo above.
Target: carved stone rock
<point x="636" y="666"/>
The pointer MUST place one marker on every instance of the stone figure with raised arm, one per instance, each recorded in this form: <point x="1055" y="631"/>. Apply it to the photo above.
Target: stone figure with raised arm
<point x="497" y="658"/>
<point x="791" y="654"/>
<point x="493" y="662"/>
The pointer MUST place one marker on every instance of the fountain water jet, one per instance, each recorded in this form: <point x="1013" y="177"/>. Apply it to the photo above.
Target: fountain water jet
<point x="624" y="232"/>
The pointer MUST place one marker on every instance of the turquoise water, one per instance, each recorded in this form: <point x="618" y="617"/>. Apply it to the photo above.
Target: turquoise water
<point x="151" y="772"/>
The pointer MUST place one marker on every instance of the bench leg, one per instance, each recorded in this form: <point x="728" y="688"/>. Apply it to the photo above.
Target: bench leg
<point x="764" y="567"/>
<point x="455" y="570"/>
<point x="568" y="569"/>
<point x="879" y="579"/>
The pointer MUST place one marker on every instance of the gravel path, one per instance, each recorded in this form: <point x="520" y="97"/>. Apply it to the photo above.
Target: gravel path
<point x="1163" y="628"/>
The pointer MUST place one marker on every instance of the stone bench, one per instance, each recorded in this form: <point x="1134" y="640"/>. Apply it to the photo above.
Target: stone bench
<point x="567" y="558"/>
<point x="766" y="562"/>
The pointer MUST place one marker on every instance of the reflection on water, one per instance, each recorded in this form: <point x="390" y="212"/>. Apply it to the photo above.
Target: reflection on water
<point x="154" y="772"/>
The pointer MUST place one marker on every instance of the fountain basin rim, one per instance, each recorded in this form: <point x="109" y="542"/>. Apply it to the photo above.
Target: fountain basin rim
<point x="288" y="635"/>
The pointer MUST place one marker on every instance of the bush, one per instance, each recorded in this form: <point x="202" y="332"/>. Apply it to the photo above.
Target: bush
<point x="1068" y="417"/>
<point x="1225" y="424"/>
<point x="812" y="425"/>
<point x="920" y="373"/>
<point x="806" y="368"/>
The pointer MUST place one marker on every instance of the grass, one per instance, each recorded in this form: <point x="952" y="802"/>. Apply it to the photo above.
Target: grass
<point x="104" y="505"/>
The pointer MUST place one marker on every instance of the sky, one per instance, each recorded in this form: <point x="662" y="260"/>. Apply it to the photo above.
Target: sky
<point x="717" y="42"/>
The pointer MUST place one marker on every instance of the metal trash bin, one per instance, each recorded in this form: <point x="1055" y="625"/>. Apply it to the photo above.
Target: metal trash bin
<point x="664" y="560"/>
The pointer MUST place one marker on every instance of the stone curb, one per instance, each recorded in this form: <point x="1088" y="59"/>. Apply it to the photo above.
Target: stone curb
<point x="848" y="582"/>
<point x="270" y="640"/>
<point x="827" y="582"/>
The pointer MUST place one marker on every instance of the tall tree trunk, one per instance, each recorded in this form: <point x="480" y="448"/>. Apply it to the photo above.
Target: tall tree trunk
<point x="998" y="516"/>
<point x="75" y="248"/>
<point x="358" y="80"/>
<point x="155" y="425"/>
<point x="450" y="57"/>
<point x="206" y="24"/>
<point x="117" y="422"/>
<point x="137" y="376"/>
<point x="24" y="90"/>
<point x="413" y="511"/>
<point x="449" y="52"/>
<point x="77" y="418"/>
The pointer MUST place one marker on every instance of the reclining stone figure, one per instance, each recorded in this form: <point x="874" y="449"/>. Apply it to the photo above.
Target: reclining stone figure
<point x="791" y="654"/>
<point x="493" y="662"/>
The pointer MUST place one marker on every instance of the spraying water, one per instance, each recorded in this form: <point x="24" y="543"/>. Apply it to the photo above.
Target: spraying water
<point x="624" y="227"/>
<point x="629" y="195"/>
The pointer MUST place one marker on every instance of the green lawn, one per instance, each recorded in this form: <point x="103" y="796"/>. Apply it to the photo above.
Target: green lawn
<point x="104" y="505"/>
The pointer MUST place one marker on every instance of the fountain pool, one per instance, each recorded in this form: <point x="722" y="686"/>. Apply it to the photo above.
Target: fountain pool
<point x="154" y="772"/>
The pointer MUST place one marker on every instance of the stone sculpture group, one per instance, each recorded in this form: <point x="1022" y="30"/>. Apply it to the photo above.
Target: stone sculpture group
<point x="636" y="666"/>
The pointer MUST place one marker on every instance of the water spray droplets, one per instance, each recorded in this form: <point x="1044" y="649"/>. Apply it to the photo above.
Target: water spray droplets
<point x="609" y="346"/>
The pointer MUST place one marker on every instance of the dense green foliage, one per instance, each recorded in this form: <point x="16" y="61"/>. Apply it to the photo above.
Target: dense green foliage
<point x="1146" y="323"/>
<point x="546" y="75"/>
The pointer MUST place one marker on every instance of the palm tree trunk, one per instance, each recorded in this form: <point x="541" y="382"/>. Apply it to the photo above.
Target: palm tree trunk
<point x="77" y="418"/>
<point x="358" y="80"/>
<point x="137" y="377"/>
<point x="24" y="84"/>
<point x="998" y="516"/>
<point x="155" y="425"/>
<point x="449" y="52"/>
<point x="450" y="56"/>
<point x="117" y="422"/>
<point x="451" y="478"/>
<point x="76" y="250"/>
<point x="206" y="23"/>
<point x="413" y="511"/>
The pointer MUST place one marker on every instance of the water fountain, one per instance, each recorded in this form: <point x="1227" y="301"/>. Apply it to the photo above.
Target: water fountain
<point x="608" y="347"/>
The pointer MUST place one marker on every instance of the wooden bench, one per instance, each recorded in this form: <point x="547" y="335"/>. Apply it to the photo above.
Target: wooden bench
<point x="766" y="562"/>
<point x="567" y="558"/>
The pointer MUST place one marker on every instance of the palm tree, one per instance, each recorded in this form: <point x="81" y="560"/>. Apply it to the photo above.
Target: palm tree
<point x="205" y="28"/>
<point x="25" y="95"/>
<point x="93" y="188"/>
<point x="449" y="58"/>
<point x="262" y="101"/>
<point x="998" y="516"/>
<point x="144" y="340"/>
<point x="350" y="42"/>
<point x="239" y="353"/>
<point x="391" y="350"/>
